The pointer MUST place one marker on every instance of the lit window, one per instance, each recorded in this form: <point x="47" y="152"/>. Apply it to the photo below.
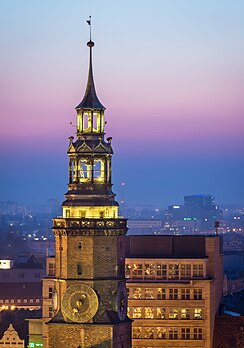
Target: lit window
<point x="6" y="301"/>
<point x="25" y="300"/>
<point x="161" y="271"/>
<point x="136" y="332"/>
<point x="148" y="332"/>
<point x="127" y="270"/>
<point x="160" y="313"/>
<point x="185" y="294"/>
<point x="198" y="270"/>
<point x="173" y="333"/>
<point x="185" y="333"/>
<point x="136" y="312"/>
<point x="161" y="332"/>
<point x="12" y="301"/>
<point x="18" y="300"/>
<point x="136" y="293"/>
<point x="173" y="271"/>
<point x="149" y="312"/>
<point x="161" y="294"/>
<point x="173" y="313"/>
<point x="82" y="213"/>
<point x="198" y="335"/>
<point x="98" y="170"/>
<point x="197" y="295"/>
<point x="85" y="172"/>
<point x="31" y="300"/>
<point x="185" y="313"/>
<point x="173" y="294"/>
<point x="1" y="301"/>
<point x="137" y="270"/>
<point x="185" y="271"/>
<point x="149" y="293"/>
<point x="37" y="300"/>
<point x="149" y="271"/>
<point x="197" y="313"/>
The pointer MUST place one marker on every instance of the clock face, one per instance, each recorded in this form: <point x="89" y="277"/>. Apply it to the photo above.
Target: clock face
<point x="122" y="302"/>
<point x="79" y="303"/>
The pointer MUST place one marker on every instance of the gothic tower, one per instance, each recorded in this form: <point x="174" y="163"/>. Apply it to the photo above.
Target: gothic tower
<point x="90" y="298"/>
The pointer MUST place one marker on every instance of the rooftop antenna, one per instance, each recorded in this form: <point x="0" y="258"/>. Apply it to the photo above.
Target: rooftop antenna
<point x="122" y="202"/>
<point x="89" y="22"/>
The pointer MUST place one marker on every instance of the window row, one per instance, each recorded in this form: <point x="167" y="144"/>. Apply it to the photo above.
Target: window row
<point x="15" y="343"/>
<point x="151" y="332"/>
<point x="165" y="313"/>
<point x="165" y="293"/>
<point x="25" y="300"/>
<point x="159" y="270"/>
<point x="6" y="275"/>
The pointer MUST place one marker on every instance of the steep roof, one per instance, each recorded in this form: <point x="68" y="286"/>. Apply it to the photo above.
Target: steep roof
<point x="90" y="99"/>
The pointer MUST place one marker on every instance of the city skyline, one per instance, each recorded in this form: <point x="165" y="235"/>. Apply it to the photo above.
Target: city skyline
<point x="184" y="61"/>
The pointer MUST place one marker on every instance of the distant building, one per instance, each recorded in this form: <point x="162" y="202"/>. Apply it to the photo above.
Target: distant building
<point x="6" y="264"/>
<point x="20" y="284"/>
<point x="229" y="332"/>
<point x="175" y="213"/>
<point x="38" y="327"/>
<point x="175" y="287"/>
<point x="149" y="226"/>
<point x="11" y="339"/>
<point x="202" y="207"/>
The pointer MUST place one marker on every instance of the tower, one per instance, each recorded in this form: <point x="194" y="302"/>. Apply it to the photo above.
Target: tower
<point x="90" y="298"/>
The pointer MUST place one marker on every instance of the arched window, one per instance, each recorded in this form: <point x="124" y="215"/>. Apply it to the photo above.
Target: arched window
<point x="98" y="170"/>
<point x="84" y="170"/>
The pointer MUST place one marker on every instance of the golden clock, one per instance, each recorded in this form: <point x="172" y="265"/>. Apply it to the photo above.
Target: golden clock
<point x="79" y="303"/>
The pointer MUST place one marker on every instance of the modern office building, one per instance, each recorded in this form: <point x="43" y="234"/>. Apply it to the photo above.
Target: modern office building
<point x="202" y="207"/>
<point x="175" y="287"/>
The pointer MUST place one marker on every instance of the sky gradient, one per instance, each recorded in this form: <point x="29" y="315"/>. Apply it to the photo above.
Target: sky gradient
<point x="169" y="72"/>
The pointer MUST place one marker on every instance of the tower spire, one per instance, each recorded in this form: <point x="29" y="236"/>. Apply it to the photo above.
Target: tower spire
<point x="90" y="99"/>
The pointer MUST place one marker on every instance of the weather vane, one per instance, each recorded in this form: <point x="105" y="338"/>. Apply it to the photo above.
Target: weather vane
<point x="89" y="23"/>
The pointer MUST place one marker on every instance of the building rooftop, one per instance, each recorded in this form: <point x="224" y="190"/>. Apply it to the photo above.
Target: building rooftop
<point x="148" y="246"/>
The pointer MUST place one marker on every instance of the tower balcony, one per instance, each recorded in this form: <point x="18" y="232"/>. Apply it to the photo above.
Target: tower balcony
<point x="90" y="224"/>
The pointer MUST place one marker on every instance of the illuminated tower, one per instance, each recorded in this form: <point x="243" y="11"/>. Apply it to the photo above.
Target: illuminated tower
<point x="90" y="298"/>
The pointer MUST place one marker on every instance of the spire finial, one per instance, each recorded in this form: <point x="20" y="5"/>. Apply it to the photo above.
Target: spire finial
<point x="89" y="22"/>
<point x="90" y="100"/>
